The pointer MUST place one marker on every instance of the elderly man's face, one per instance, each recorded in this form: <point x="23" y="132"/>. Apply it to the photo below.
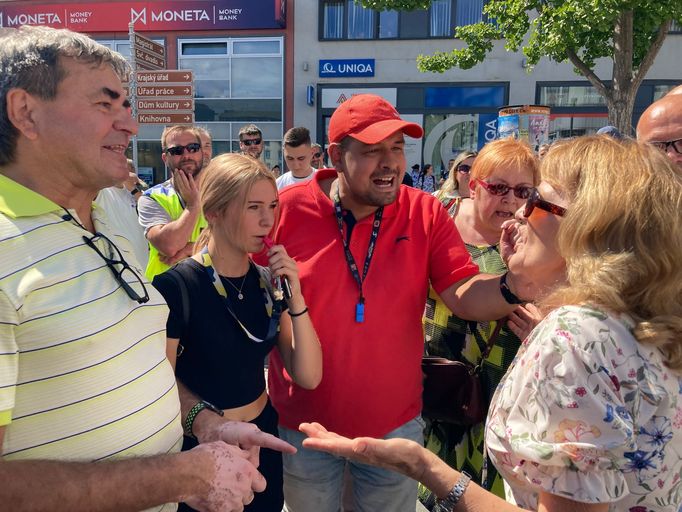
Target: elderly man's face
<point x="661" y="125"/>
<point x="85" y="130"/>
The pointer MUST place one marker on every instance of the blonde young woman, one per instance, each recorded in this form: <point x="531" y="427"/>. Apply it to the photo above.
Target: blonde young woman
<point x="502" y="178"/>
<point x="235" y="315"/>
<point x="589" y="416"/>
<point x="457" y="184"/>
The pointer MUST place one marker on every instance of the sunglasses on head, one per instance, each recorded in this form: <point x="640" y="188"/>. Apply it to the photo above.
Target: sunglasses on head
<point x="463" y="168"/>
<point x="664" y="145"/>
<point x="252" y="142"/>
<point x="179" y="150"/>
<point x="535" y="200"/>
<point x="500" y="189"/>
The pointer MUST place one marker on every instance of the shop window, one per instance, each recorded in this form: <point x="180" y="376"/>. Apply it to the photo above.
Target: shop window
<point x="571" y="96"/>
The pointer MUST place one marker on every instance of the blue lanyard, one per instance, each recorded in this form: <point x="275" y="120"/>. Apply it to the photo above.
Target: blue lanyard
<point x="273" y="308"/>
<point x="350" y="261"/>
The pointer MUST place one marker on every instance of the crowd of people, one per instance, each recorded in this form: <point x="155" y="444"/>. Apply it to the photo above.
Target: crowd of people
<point x="135" y="322"/>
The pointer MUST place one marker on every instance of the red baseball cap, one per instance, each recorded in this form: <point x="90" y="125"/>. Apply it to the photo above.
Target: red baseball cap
<point x="369" y="119"/>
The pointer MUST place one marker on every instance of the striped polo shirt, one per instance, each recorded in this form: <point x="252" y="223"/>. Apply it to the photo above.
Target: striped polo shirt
<point x="83" y="368"/>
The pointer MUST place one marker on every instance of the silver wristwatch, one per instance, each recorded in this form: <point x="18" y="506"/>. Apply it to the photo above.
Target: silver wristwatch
<point x="448" y="503"/>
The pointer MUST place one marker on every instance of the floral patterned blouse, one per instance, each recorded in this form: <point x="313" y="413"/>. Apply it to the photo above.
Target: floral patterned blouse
<point x="588" y="413"/>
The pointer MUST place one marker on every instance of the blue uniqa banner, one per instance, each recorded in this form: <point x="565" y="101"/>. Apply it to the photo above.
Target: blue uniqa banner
<point x="336" y="68"/>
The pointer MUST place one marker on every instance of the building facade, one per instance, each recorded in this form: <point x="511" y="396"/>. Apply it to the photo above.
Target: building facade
<point x="342" y="49"/>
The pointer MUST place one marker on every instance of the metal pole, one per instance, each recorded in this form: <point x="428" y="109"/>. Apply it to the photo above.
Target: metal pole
<point x="132" y="85"/>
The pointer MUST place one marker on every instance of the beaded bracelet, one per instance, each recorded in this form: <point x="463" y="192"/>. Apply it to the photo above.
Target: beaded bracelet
<point x="194" y="411"/>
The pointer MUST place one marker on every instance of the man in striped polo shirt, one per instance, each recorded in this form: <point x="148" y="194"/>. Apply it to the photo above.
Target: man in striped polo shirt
<point x="89" y="409"/>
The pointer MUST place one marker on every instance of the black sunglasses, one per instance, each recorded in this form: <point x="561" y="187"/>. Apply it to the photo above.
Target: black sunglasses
<point x="179" y="150"/>
<point x="317" y="155"/>
<point x="500" y="189"/>
<point x="664" y="145"/>
<point x="536" y="201"/>
<point x="463" y="168"/>
<point x="128" y="279"/>
<point x="252" y="142"/>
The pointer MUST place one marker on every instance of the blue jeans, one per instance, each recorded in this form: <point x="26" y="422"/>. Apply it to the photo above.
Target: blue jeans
<point x="313" y="480"/>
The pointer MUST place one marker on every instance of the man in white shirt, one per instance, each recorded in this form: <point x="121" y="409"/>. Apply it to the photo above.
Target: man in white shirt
<point x="121" y="207"/>
<point x="298" y="154"/>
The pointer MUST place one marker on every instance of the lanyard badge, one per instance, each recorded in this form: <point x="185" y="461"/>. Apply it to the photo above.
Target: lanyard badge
<point x="350" y="261"/>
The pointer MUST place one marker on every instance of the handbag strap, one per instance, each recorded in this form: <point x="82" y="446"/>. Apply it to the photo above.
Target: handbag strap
<point x="491" y="341"/>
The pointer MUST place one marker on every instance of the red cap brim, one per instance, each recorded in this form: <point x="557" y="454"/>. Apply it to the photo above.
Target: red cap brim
<point x="379" y="131"/>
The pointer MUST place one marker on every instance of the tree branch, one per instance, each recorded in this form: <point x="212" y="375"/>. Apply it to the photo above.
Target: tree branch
<point x="650" y="56"/>
<point x="588" y="73"/>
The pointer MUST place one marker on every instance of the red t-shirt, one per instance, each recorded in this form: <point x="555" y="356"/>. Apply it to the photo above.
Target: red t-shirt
<point x="372" y="379"/>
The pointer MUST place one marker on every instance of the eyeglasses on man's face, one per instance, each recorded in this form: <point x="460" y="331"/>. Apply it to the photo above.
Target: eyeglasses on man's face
<point x="317" y="155"/>
<point x="501" y="189"/>
<point x="664" y="145"/>
<point x="535" y="200"/>
<point x="252" y="142"/>
<point x="129" y="280"/>
<point x="179" y="150"/>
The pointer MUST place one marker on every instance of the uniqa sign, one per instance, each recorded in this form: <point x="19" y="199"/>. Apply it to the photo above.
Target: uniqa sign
<point x="346" y="68"/>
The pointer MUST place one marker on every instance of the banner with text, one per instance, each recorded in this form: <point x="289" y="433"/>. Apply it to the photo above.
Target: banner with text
<point x="148" y="16"/>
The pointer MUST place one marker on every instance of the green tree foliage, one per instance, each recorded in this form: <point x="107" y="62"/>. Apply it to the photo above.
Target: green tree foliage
<point x="629" y="32"/>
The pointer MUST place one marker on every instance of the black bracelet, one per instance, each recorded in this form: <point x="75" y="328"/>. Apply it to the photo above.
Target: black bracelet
<point x="305" y="310"/>
<point x="507" y="294"/>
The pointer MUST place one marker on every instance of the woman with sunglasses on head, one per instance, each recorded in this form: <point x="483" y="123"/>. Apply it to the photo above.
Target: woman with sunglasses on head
<point x="588" y="415"/>
<point x="502" y="178"/>
<point x="232" y="316"/>
<point x="457" y="184"/>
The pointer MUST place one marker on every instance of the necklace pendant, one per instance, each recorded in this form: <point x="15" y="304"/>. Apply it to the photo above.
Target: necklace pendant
<point x="240" y="296"/>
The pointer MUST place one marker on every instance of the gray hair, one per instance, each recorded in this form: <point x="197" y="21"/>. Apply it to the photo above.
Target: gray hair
<point x="30" y="60"/>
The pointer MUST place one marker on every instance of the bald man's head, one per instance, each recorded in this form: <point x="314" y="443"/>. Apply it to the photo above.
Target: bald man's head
<point x="662" y="123"/>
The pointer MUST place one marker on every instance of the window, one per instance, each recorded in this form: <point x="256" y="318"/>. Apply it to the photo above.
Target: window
<point x="675" y="28"/>
<point x="469" y="12"/>
<point x="333" y="19"/>
<point x="571" y="96"/>
<point x="360" y="22"/>
<point x="237" y="81"/>
<point x="388" y="24"/>
<point x="344" y="19"/>
<point x="441" y="14"/>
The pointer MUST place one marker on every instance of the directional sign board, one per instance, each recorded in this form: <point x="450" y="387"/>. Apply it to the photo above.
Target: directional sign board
<point x="175" y="76"/>
<point x="164" y="118"/>
<point x="164" y="91"/>
<point x="174" y="104"/>
<point x="148" y="54"/>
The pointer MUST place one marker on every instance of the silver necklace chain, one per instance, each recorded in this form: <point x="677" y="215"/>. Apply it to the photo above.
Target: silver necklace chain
<point x="240" y="295"/>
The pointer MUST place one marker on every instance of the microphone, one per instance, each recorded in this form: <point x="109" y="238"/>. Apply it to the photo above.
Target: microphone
<point x="282" y="284"/>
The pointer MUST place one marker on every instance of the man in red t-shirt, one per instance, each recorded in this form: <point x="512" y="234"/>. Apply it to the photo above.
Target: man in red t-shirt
<point x="367" y="251"/>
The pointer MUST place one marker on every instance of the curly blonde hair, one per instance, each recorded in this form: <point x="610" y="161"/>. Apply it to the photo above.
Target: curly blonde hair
<point x="621" y="236"/>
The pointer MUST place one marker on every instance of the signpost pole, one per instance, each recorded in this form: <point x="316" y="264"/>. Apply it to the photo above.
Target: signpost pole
<point x="133" y="87"/>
